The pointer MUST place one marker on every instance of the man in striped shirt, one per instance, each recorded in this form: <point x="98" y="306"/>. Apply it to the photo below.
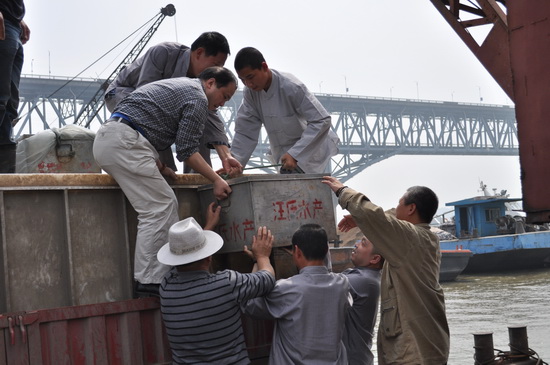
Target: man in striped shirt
<point x="201" y="310"/>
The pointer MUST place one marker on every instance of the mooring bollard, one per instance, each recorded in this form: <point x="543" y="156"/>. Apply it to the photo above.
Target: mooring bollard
<point x="519" y="354"/>
<point x="484" y="349"/>
<point x="519" y="344"/>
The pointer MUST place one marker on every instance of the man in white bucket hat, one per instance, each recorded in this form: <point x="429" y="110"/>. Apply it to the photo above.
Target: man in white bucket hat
<point x="201" y="310"/>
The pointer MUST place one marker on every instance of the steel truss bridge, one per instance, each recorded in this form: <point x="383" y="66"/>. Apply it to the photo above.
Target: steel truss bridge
<point x="371" y="129"/>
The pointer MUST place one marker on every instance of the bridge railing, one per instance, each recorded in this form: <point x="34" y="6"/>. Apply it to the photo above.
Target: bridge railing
<point x="370" y="129"/>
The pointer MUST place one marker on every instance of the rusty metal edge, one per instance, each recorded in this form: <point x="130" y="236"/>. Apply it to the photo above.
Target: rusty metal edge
<point x="82" y="181"/>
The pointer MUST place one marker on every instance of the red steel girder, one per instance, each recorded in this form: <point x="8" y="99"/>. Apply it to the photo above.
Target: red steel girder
<point x="529" y="24"/>
<point x="516" y="53"/>
<point x="494" y="52"/>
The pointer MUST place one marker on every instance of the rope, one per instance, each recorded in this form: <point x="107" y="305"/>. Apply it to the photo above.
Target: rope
<point x="505" y="355"/>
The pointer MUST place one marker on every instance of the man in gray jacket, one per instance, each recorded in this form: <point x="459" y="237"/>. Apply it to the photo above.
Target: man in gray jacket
<point x="309" y="308"/>
<point x="169" y="60"/>
<point x="364" y="280"/>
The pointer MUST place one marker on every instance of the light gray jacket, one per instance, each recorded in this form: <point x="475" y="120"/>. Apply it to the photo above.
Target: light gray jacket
<point x="295" y="122"/>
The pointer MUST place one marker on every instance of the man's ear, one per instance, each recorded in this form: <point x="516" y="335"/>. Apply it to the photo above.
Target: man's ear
<point x="198" y="52"/>
<point x="412" y="208"/>
<point x="210" y="82"/>
<point x="297" y="252"/>
<point x="208" y="261"/>
<point x="375" y="259"/>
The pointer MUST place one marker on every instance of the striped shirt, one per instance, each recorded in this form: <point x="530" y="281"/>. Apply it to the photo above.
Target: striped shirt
<point x="201" y="313"/>
<point x="169" y="111"/>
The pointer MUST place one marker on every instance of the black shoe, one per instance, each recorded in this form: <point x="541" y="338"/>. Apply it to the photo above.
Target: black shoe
<point x="145" y="290"/>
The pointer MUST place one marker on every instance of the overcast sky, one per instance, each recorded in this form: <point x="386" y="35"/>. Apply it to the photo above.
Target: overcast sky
<point x="397" y="48"/>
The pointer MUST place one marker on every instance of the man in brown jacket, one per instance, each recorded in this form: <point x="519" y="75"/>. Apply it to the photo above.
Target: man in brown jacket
<point x="413" y="326"/>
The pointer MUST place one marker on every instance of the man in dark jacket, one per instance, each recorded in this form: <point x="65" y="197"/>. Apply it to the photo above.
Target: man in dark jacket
<point x="13" y="34"/>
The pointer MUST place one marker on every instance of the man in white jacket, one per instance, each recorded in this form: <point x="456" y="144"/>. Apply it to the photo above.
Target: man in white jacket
<point x="297" y="125"/>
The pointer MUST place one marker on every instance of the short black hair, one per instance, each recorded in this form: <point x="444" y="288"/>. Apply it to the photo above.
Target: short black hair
<point x="312" y="240"/>
<point x="212" y="42"/>
<point x="425" y="200"/>
<point x="376" y="252"/>
<point x="222" y="75"/>
<point x="249" y="57"/>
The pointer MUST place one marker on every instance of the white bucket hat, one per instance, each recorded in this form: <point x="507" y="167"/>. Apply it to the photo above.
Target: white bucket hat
<point x="188" y="242"/>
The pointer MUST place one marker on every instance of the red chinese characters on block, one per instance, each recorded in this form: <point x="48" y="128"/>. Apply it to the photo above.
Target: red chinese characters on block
<point x="45" y="167"/>
<point x="86" y="165"/>
<point x="296" y="210"/>
<point x="236" y="231"/>
<point x="50" y="167"/>
<point x="290" y="210"/>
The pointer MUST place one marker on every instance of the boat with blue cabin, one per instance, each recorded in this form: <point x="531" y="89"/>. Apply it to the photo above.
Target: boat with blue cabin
<point x="496" y="233"/>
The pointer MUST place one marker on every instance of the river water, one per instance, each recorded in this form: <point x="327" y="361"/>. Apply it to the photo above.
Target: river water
<point x="492" y="302"/>
<point x="484" y="303"/>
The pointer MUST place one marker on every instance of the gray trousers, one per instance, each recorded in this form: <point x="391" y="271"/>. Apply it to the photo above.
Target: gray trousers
<point x="130" y="159"/>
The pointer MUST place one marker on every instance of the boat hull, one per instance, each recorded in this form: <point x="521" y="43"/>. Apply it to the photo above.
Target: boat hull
<point x="453" y="263"/>
<point x="505" y="253"/>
